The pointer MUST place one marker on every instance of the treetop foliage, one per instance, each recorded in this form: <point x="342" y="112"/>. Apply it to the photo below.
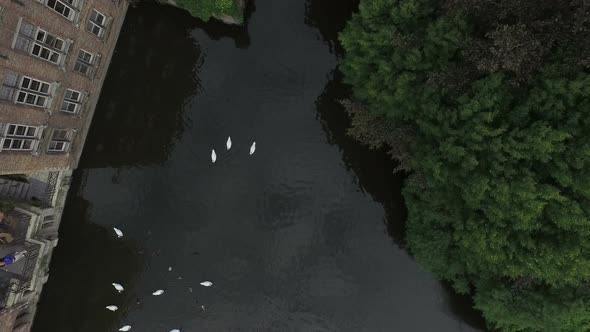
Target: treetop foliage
<point x="498" y="95"/>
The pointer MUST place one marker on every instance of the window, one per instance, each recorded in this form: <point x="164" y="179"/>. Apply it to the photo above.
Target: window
<point x="40" y="43"/>
<point x="59" y="140"/>
<point x="85" y="63"/>
<point x="9" y="87"/>
<point x="72" y="100"/>
<point x="21" y="131"/>
<point x="67" y="8"/>
<point x="22" y="89"/>
<point x="47" y="221"/>
<point x="19" y="137"/>
<point x="97" y="23"/>
<point x="33" y="92"/>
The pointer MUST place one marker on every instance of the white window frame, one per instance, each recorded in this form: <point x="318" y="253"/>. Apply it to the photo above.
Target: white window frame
<point x="15" y="128"/>
<point x="28" y="95"/>
<point x="70" y="101"/>
<point x="48" y="51"/>
<point x="66" y="135"/>
<point x="17" y="142"/>
<point x="40" y="43"/>
<point x="31" y="99"/>
<point x="92" y="24"/>
<point x="88" y="64"/>
<point x="70" y="8"/>
<point x="60" y="144"/>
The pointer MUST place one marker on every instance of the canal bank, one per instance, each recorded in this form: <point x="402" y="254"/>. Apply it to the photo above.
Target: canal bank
<point x="294" y="237"/>
<point x="53" y="61"/>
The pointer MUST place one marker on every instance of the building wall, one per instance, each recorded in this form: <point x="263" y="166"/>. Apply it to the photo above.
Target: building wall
<point x="61" y="77"/>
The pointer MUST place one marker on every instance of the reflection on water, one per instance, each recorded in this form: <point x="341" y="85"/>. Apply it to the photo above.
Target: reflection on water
<point x="293" y="237"/>
<point x="374" y="169"/>
<point x="329" y="17"/>
<point x="140" y="120"/>
<point x="87" y="258"/>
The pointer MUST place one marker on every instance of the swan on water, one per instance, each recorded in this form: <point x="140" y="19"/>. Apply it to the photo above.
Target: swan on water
<point x="207" y="283"/>
<point x="228" y="143"/>
<point x="125" y="328"/>
<point x="118" y="287"/>
<point x="112" y="307"/>
<point x="118" y="232"/>
<point x="213" y="156"/>
<point x="169" y="268"/>
<point x="252" y="148"/>
<point x="175" y="330"/>
<point x="158" y="292"/>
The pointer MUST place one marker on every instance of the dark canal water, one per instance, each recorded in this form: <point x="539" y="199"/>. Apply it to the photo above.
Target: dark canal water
<point x="294" y="238"/>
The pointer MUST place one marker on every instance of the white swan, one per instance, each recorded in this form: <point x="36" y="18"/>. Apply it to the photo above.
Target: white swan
<point x="158" y="292"/>
<point x="112" y="307"/>
<point x="118" y="287"/>
<point x="125" y="328"/>
<point x="213" y="156"/>
<point x="252" y="148"/>
<point x="118" y="232"/>
<point x="175" y="330"/>
<point x="206" y="283"/>
<point x="228" y="143"/>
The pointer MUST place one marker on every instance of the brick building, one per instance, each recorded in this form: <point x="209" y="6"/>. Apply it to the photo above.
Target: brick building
<point x="54" y="55"/>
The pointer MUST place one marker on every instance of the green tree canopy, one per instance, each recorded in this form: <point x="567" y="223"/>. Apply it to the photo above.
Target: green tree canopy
<point x="205" y="9"/>
<point x="498" y="94"/>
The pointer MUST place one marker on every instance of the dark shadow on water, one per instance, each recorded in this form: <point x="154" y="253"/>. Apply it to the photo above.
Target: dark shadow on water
<point x="80" y="238"/>
<point x="214" y="28"/>
<point x="462" y="306"/>
<point x="145" y="116"/>
<point x="374" y="169"/>
<point x="330" y="17"/>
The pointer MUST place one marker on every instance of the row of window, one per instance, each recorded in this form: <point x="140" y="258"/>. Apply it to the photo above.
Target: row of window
<point x="70" y="9"/>
<point x="18" y="137"/>
<point x="40" y="43"/>
<point x="26" y="90"/>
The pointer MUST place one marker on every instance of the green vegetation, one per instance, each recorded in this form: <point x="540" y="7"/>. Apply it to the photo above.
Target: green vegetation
<point x="205" y="9"/>
<point x="487" y="105"/>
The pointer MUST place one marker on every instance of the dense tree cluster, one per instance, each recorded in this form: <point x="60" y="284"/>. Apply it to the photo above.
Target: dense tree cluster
<point x="495" y="96"/>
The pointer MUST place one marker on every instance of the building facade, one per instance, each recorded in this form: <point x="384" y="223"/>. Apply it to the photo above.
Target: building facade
<point x="54" y="56"/>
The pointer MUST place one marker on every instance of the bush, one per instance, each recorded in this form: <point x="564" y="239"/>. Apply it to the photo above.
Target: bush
<point x="205" y="9"/>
